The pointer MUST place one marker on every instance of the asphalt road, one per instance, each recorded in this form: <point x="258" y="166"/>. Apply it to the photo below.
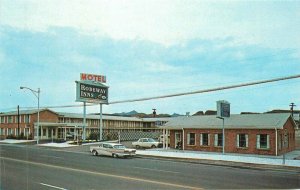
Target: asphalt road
<point x="32" y="167"/>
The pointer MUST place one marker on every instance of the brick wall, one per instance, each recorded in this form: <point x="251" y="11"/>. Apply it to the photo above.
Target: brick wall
<point x="231" y="140"/>
<point x="45" y="116"/>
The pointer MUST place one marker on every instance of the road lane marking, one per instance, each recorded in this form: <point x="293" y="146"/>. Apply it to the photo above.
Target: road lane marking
<point x="103" y="174"/>
<point x="157" y="170"/>
<point x="55" y="187"/>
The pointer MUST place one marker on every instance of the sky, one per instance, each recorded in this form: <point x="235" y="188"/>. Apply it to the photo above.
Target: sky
<point x="150" y="48"/>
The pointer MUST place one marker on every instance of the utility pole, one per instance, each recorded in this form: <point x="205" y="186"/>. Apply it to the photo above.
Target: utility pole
<point x="292" y="105"/>
<point x="18" y="121"/>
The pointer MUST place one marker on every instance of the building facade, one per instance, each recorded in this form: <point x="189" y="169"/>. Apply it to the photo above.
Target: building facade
<point x="57" y="125"/>
<point x="266" y="134"/>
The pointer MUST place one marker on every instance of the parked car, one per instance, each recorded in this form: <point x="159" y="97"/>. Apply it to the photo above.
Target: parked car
<point x="146" y="143"/>
<point x="112" y="149"/>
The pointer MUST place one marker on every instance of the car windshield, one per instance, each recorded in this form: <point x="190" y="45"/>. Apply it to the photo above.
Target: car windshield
<point x="119" y="147"/>
<point x="151" y="140"/>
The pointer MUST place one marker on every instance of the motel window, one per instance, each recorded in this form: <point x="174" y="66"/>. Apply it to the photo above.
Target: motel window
<point x="2" y="131"/>
<point x="10" y="119"/>
<point x="219" y="139"/>
<point x="2" y="119"/>
<point x="9" y="131"/>
<point x="262" y="141"/>
<point x="204" y="141"/>
<point x="242" y="140"/>
<point x="27" y="118"/>
<point x="191" y="138"/>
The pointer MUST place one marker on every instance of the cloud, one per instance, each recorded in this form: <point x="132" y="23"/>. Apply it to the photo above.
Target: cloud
<point x="168" y="22"/>
<point x="53" y="60"/>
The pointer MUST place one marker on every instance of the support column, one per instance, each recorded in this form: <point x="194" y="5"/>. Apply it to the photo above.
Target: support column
<point x="101" y="124"/>
<point x="65" y="134"/>
<point x="164" y="145"/>
<point x="84" y="121"/>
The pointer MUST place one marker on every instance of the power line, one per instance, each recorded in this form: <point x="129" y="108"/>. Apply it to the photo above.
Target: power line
<point x="209" y="90"/>
<point x="180" y="94"/>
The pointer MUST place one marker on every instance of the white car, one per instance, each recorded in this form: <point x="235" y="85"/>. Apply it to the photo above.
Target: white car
<point x="147" y="143"/>
<point x="112" y="149"/>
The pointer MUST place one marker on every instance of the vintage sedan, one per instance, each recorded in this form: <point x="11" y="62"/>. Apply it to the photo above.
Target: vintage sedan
<point x="146" y="143"/>
<point x="112" y="149"/>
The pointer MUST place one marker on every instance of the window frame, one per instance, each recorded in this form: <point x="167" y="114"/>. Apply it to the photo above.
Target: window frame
<point x="189" y="139"/>
<point x="239" y="140"/>
<point x="202" y="139"/>
<point x="259" y="141"/>
<point x="217" y="140"/>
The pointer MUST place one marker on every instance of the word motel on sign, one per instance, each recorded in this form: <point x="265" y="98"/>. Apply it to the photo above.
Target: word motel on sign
<point x="92" y="77"/>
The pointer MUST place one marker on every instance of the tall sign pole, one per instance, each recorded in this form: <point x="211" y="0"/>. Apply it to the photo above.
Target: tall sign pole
<point x="223" y="111"/>
<point x="84" y="122"/>
<point x="101" y="124"/>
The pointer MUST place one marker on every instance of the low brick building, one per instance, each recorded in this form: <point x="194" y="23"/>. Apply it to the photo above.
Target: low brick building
<point x="56" y="125"/>
<point x="266" y="134"/>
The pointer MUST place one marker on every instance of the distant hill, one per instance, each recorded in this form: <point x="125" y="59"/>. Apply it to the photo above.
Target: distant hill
<point x="283" y="111"/>
<point x="143" y="115"/>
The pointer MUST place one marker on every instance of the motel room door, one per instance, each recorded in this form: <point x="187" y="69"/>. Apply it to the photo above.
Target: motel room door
<point x="178" y="140"/>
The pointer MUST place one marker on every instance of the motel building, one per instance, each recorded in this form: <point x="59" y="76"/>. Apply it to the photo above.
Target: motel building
<point x="265" y="134"/>
<point x="58" y="125"/>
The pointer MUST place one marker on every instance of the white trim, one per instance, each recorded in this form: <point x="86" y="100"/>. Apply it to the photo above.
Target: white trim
<point x="268" y="141"/>
<point x="258" y="141"/>
<point x="216" y="140"/>
<point x="201" y="139"/>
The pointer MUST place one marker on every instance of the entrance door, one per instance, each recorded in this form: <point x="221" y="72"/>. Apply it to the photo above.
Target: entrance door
<point x="49" y="133"/>
<point x="178" y="140"/>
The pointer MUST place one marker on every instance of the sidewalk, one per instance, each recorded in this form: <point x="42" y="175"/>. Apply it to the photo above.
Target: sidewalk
<point x="237" y="158"/>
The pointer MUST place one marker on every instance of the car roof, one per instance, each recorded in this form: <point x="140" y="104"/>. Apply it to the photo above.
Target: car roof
<point x="113" y="144"/>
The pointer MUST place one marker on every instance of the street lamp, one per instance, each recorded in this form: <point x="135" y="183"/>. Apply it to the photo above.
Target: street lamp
<point x="37" y="95"/>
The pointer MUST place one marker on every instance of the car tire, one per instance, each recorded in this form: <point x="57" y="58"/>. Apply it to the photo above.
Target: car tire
<point x="153" y="146"/>
<point x="115" y="156"/>
<point x="137" y="147"/>
<point x="95" y="153"/>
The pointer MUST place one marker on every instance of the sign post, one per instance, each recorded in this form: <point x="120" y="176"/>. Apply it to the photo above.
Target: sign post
<point x="90" y="89"/>
<point x="101" y="124"/>
<point x="223" y="110"/>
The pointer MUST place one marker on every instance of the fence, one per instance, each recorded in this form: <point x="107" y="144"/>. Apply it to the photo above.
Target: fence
<point x="127" y="135"/>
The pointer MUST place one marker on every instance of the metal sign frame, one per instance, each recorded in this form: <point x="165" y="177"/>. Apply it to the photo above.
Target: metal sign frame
<point x="223" y="108"/>
<point x="91" y="92"/>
